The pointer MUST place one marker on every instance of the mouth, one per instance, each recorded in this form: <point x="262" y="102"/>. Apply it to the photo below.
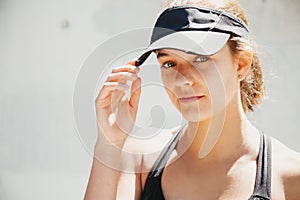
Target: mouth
<point x="190" y="99"/>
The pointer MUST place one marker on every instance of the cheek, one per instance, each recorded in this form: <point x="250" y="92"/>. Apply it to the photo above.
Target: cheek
<point x="220" y="83"/>
<point x="227" y="81"/>
<point x="169" y="85"/>
<point x="229" y="76"/>
<point x="168" y="79"/>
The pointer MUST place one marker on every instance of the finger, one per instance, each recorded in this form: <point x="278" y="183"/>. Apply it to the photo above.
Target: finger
<point x="101" y="104"/>
<point x="135" y="93"/>
<point x="109" y="87"/>
<point x="131" y="62"/>
<point x="116" y="99"/>
<point x="122" y="77"/>
<point x="107" y="106"/>
<point x="124" y="120"/>
<point x="129" y="67"/>
<point x="103" y="109"/>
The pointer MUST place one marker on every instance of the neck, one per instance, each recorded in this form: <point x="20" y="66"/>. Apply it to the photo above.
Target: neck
<point x="227" y="135"/>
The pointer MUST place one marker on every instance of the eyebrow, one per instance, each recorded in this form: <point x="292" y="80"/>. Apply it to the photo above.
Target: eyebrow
<point x="159" y="55"/>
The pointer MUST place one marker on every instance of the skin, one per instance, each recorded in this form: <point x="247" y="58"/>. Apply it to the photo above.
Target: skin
<point x="206" y="91"/>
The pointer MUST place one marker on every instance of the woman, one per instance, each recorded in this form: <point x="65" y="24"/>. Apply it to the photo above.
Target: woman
<point x="212" y="75"/>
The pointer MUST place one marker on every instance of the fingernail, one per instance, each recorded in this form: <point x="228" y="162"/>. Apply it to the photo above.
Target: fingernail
<point x="132" y="75"/>
<point x="135" y="69"/>
<point x="123" y="86"/>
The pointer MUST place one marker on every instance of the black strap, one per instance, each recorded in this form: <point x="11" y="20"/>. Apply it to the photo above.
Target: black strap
<point x="164" y="156"/>
<point x="153" y="188"/>
<point x="262" y="188"/>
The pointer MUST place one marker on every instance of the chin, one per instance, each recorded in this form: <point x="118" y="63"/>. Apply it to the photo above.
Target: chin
<point x="196" y="114"/>
<point x="191" y="117"/>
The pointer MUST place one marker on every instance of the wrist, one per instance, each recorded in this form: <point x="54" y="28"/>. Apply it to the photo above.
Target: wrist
<point x="108" y="153"/>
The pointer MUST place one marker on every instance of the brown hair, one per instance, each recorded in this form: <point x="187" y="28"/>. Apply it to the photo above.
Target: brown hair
<point x="252" y="87"/>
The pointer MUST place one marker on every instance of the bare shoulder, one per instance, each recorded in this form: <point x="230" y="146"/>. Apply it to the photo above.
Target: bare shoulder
<point x="143" y="147"/>
<point x="287" y="165"/>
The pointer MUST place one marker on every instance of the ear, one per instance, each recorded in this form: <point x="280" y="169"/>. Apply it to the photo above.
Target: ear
<point x="244" y="64"/>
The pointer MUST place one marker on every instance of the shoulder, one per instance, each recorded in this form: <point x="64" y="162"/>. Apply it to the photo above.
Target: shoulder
<point x="287" y="166"/>
<point x="143" y="147"/>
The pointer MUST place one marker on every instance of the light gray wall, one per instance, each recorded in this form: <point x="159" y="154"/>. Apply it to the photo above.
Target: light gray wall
<point x="276" y="29"/>
<point x="42" y="47"/>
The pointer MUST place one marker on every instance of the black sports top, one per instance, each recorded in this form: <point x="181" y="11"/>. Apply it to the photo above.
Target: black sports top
<point x="262" y="189"/>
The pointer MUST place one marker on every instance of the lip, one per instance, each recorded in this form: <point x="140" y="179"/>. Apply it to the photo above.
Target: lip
<point x="190" y="99"/>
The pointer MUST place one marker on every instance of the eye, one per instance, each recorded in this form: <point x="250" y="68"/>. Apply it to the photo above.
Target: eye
<point x="168" y="64"/>
<point x="201" y="58"/>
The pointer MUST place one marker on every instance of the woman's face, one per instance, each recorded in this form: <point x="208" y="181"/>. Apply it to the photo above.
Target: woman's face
<point x="199" y="86"/>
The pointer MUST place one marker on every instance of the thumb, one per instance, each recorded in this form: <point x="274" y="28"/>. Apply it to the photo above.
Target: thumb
<point x="135" y="93"/>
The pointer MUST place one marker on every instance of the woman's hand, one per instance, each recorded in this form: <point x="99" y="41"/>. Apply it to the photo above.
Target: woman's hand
<point x="116" y="113"/>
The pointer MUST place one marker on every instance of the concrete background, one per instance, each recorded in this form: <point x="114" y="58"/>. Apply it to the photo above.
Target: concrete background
<point x="43" y="45"/>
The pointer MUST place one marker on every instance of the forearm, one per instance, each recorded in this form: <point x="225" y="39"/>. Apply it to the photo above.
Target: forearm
<point x="105" y="173"/>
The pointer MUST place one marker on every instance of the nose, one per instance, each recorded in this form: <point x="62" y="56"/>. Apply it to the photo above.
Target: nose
<point x="184" y="75"/>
